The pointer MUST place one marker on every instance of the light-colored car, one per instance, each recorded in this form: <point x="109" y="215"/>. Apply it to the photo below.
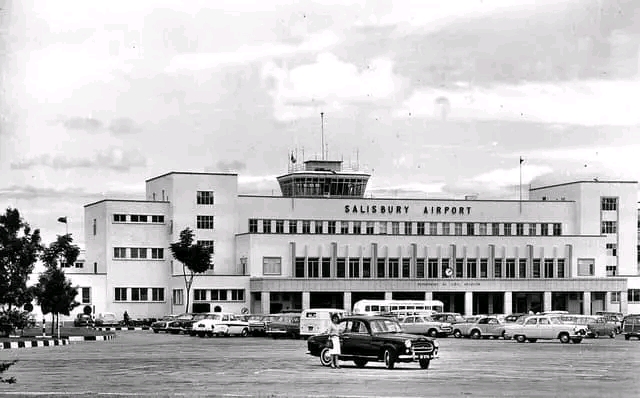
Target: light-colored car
<point x="488" y="326"/>
<point x="107" y="319"/>
<point x="162" y="325"/>
<point x="547" y="327"/>
<point x="596" y="325"/>
<point x="221" y="324"/>
<point x="426" y="326"/>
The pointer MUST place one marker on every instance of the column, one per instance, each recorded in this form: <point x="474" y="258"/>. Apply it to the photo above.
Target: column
<point x="292" y="254"/>
<point x="334" y="256"/>
<point x="374" y="260"/>
<point x="306" y="300"/>
<point x="468" y="303"/>
<point x="546" y="302"/>
<point x="347" y="302"/>
<point x="568" y="256"/>
<point x="490" y="303"/>
<point x="586" y="303"/>
<point x="414" y="256"/>
<point x="607" y="302"/>
<point x="624" y="305"/>
<point x="388" y="295"/>
<point x="490" y="266"/>
<point x="529" y="254"/>
<point x="265" y="302"/>
<point x="508" y="297"/>
<point x="428" y="296"/>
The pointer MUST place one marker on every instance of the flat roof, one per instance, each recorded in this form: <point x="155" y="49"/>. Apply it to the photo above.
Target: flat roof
<point x="584" y="182"/>
<point x="191" y="173"/>
<point x="126" y="200"/>
<point x="405" y="199"/>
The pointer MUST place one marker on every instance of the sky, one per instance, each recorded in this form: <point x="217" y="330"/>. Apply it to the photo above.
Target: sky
<point x="435" y="99"/>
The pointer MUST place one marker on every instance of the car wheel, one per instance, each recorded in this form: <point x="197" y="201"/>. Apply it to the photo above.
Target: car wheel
<point x="626" y="337"/>
<point x="245" y="332"/>
<point x="432" y="333"/>
<point x="156" y="331"/>
<point x="577" y="340"/>
<point x="424" y="363"/>
<point x="521" y="338"/>
<point x="564" y="338"/>
<point x="475" y="334"/>
<point x="361" y="363"/>
<point x="325" y="356"/>
<point x="389" y="358"/>
<point x="457" y="334"/>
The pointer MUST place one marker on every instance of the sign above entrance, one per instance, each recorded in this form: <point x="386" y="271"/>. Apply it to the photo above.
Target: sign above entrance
<point x="395" y="209"/>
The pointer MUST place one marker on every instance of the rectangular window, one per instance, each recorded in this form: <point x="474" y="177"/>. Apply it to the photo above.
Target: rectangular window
<point x="313" y="267"/>
<point x="608" y="204"/>
<point x="279" y="226"/>
<point x="178" y="297"/>
<point x="354" y="268"/>
<point x="237" y="294"/>
<point x="420" y="268"/>
<point x="341" y="268"/>
<point x="611" y="270"/>
<point x="394" y="268"/>
<point x="119" y="252"/>
<point x="495" y="229"/>
<point x="272" y="265"/>
<point x="157" y="220"/>
<point x="139" y="218"/>
<point x="560" y="266"/>
<point x="519" y="229"/>
<point x="318" y="227"/>
<point x="406" y="267"/>
<point x="446" y="228"/>
<point x="380" y="268"/>
<point x="344" y="227"/>
<point x="433" y="228"/>
<point x="395" y="228"/>
<point x="370" y="227"/>
<point x="204" y="197"/>
<point x="199" y="295"/>
<point x="218" y="294"/>
<point x="299" y="270"/>
<point x="408" y="228"/>
<point x="444" y="266"/>
<point x="548" y="268"/>
<point x="615" y="297"/>
<point x="121" y="294"/>
<point x="420" y="228"/>
<point x="612" y="249"/>
<point x="306" y="227"/>
<point x="157" y="294"/>
<point x="382" y="227"/>
<point x="586" y="267"/>
<point x="522" y="268"/>
<point x="293" y="226"/>
<point x="65" y="265"/>
<point x="207" y="244"/>
<point x="119" y="218"/>
<point x="497" y="268"/>
<point x="472" y="268"/>
<point x="79" y="264"/>
<point x="266" y="226"/>
<point x="459" y="268"/>
<point x="483" y="268"/>
<point x="357" y="227"/>
<point x="544" y="229"/>
<point x="557" y="229"/>
<point x="507" y="229"/>
<point x="483" y="229"/>
<point x="204" y="222"/>
<point x="458" y="228"/>
<point x="535" y="268"/>
<point x="633" y="296"/>
<point x="609" y="227"/>
<point x="471" y="229"/>
<point x="253" y="226"/>
<point x="95" y="227"/>
<point x="326" y="267"/>
<point x="134" y="252"/>
<point x="532" y="229"/>
<point x="139" y="294"/>
<point x="86" y="295"/>
<point x="142" y="252"/>
<point x="366" y="268"/>
<point x="432" y="268"/>
<point x="511" y="268"/>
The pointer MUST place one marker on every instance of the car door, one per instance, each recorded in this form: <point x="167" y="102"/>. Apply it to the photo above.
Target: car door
<point x="360" y="339"/>
<point x="545" y="329"/>
<point x="491" y="327"/>
<point x="346" y="341"/>
<point x="530" y="328"/>
<point x="408" y="324"/>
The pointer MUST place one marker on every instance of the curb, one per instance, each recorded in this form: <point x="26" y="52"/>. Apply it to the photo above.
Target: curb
<point x="110" y="328"/>
<point x="91" y="338"/>
<point x="7" y="345"/>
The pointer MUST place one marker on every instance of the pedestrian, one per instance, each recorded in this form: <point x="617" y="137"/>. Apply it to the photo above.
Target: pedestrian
<point x="334" y="337"/>
<point x="125" y="316"/>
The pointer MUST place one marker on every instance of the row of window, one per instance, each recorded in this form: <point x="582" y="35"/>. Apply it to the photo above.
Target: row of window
<point x="139" y="294"/>
<point x="77" y="264"/>
<point x="154" y="253"/>
<point x="218" y="294"/>
<point x="138" y="218"/>
<point x="267" y="226"/>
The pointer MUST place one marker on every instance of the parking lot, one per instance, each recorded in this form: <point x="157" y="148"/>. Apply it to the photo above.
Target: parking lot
<point x="141" y="362"/>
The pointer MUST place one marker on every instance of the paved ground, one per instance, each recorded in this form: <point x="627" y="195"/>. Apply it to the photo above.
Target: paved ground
<point x="140" y="362"/>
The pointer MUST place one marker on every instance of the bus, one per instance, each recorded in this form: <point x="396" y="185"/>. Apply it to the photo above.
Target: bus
<point x="399" y="308"/>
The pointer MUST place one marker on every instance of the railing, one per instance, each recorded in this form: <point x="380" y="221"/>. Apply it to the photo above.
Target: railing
<point x="352" y="168"/>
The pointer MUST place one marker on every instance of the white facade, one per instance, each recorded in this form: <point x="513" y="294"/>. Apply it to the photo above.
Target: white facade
<point x="557" y="250"/>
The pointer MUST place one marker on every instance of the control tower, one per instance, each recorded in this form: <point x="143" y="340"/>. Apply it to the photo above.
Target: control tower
<point x="323" y="178"/>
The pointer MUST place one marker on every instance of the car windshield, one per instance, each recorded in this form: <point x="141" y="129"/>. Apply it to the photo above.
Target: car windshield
<point x="554" y="321"/>
<point x="385" y="326"/>
<point x="215" y="317"/>
<point x="198" y="317"/>
<point x="520" y="321"/>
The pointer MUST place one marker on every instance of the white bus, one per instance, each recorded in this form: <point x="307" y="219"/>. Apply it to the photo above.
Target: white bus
<point x="399" y="308"/>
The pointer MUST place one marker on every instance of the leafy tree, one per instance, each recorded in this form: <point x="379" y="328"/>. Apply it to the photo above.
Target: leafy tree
<point x="4" y="366"/>
<point x="195" y="259"/>
<point x="53" y="291"/>
<point x="19" y="250"/>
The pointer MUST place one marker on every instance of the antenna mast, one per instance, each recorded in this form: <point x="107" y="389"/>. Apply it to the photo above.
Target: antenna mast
<point x="322" y="130"/>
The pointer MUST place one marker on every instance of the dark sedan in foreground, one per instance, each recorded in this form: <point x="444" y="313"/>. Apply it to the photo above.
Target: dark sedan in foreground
<point x="375" y="339"/>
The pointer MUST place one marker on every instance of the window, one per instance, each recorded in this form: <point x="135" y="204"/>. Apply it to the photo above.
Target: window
<point x="472" y="268"/>
<point x="204" y="222"/>
<point x="557" y="229"/>
<point x="279" y="226"/>
<point x="218" y="295"/>
<point x="121" y="294"/>
<point x="420" y="228"/>
<point x="253" y="226"/>
<point x="138" y="252"/>
<point x="313" y="267"/>
<point x="432" y="268"/>
<point x="532" y="229"/>
<point x="357" y="227"/>
<point x="535" y="268"/>
<point x="382" y="228"/>
<point x="119" y="218"/>
<point x="65" y="265"/>
<point x="139" y="294"/>
<point x="495" y="229"/>
<point x="615" y="297"/>
<point x="157" y="294"/>
<point x="370" y="227"/>
<point x="483" y="268"/>
<point x="433" y="228"/>
<point x="199" y="295"/>
<point x="299" y="270"/>
<point x="272" y="265"/>
<point x="471" y="229"/>
<point x="482" y="229"/>
<point x="548" y="268"/>
<point x="608" y="204"/>
<point x="326" y="267"/>
<point x="633" y="296"/>
<point x="408" y="228"/>
<point x="395" y="228"/>
<point x="207" y="244"/>
<point x="157" y="219"/>
<point x="420" y="268"/>
<point x="459" y="268"/>
<point x="237" y="294"/>
<point x="394" y="268"/>
<point x="366" y="268"/>
<point x="293" y="226"/>
<point x="318" y="226"/>
<point x="560" y="266"/>
<point x="446" y="228"/>
<point x="507" y="229"/>
<point x="94" y="227"/>
<point x="306" y="227"/>
<point x="519" y="229"/>
<point x="406" y="267"/>
<point x="586" y="266"/>
<point x="119" y="252"/>
<point x="204" y="197"/>
<point x="178" y="297"/>
<point x="612" y="270"/>
<point x="511" y="268"/>
<point x="331" y="227"/>
<point x="79" y="264"/>
<point x="612" y="249"/>
<point x="341" y="268"/>
<point x="86" y="295"/>
<point x="609" y="227"/>
<point x="497" y="268"/>
<point x="354" y="268"/>
<point x="544" y="229"/>
<point x="522" y="268"/>
<point x="266" y="226"/>
<point x="444" y="265"/>
<point x="458" y="228"/>
<point x="380" y="268"/>
<point x="344" y="227"/>
<point x="138" y="218"/>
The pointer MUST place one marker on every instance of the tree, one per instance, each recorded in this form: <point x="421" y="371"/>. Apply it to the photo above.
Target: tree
<point x="19" y="250"/>
<point x="53" y="291"/>
<point x="195" y="259"/>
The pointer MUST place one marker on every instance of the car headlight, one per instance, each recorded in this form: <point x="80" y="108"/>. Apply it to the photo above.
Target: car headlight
<point x="407" y="343"/>
<point x="436" y="344"/>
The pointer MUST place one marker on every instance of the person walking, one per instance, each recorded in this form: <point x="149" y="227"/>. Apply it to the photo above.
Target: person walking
<point x="334" y="337"/>
<point x="126" y="318"/>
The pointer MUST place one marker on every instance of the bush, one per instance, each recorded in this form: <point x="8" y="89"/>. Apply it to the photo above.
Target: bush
<point x="4" y="366"/>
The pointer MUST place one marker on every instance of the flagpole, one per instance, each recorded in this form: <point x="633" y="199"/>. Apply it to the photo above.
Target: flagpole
<point x="520" y="185"/>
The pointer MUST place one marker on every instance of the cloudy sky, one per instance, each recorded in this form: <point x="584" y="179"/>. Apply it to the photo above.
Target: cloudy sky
<point x="437" y="99"/>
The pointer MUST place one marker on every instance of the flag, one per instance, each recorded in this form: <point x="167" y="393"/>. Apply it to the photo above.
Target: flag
<point x="293" y="158"/>
<point x="521" y="160"/>
<point x="62" y="220"/>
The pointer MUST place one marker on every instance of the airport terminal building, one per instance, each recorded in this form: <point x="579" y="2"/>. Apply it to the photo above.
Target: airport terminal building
<point x="323" y="243"/>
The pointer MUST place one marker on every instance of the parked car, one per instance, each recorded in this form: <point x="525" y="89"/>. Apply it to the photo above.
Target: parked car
<point x="450" y="317"/>
<point x="177" y="325"/>
<point x="548" y="327"/>
<point x="425" y="326"/>
<point x="511" y="318"/>
<point x="83" y="320"/>
<point x="107" y="319"/>
<point x="162" y="325"/>
<point x="317" y="320"/>
<point x="367" y="339"/>
<point x="596" y="325"/>
<point x="631" y="326"/>
<point x="614" y="317"/>
<point x="488" y="326"/>
<point x="284" y="325"/>
<point x="221" y="324"/>
<point x="188" y="325"/>
<point x="258" y="324"/>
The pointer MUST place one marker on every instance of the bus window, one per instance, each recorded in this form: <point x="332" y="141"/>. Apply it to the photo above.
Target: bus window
<point x="367" y="308"/>
<point x="420" y="307"/>
<point x="374" y="308"/>
<point x="394" y="308"/>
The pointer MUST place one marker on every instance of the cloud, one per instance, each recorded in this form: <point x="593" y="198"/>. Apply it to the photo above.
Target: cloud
<point x="231" y="166"/>
<point x="112" y="158"/>
<point x="248" y="53"/>
<point x="330" y="83"/>
<point x="123" y="125"/>
<point x="82" y="123"/>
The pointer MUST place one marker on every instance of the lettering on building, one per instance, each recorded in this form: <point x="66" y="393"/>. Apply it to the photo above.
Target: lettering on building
<point x="396" y="209"/>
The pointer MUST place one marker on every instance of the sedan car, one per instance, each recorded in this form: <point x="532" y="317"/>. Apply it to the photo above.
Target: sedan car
<point x="488" y="326"/>
<point x="221" y="324"/>
<point x="596" y="325"/>
<point x="178" y="325"/>
<point x="284" y="325"/>
<point x="258" y="324"/>
<point x="162" y="325"/>
<point x="546" y="327"/>
<point x="425" y="326"/>
<point x="450" y="317"/>
<point x="83" y="320"/>
<point x="367" y="339"/>
<point x="107" y="319"/>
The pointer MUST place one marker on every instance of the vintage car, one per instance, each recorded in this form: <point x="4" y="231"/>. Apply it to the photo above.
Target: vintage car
<point x="258" y="324"/>
<point x="613" y="317"/>
<point x="631" y="326"/>
<point x="596" y="325"/>
<point x="511" y="318"/>
<point x="187" y="326"/>
<point x="83" y="320"/>
<point x="488" y="326"/>
<point x="545" y="327"/>
<point x="450" y="317"/>
<point x="367" y="339"/>
<point x="221" y="324"/>
<point x="162" y="325"/>
<point x="178" y="325"/>
<point x="426" y="326"/>
<point x="284" y="325"/>
<point x="107" y="319"/>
